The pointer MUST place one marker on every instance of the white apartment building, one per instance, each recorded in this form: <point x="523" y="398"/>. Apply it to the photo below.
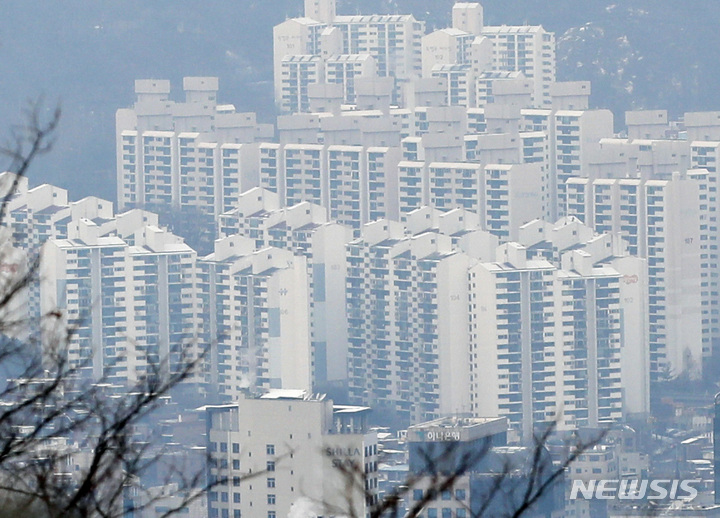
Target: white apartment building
<point x="297" y="72"/>
<point x="494" y="87"/>
<point x="323" y="10"/>
<point x="413" y="186"/>
<point x="456" y="185"/>
<point x="460" y="84"/>
<point x="382" y="183"/>
<point x="36" y="215"/>
<point x="703" y="126"/>
<point x="704" y="157"/>
<point x="647" y="124"/>
<point x="305" y="230"/>
<point x="536" y="150"/>
<point x="591" y="332"/>
<point x="345" y="69"/>
<point x="461" y="225"/>
<point x="476" y="121"/>
<point x="407" y="322"/>
<point x="576" y="134"/>
<point x="44" y="212"/>
<point x="132" y="306"/>
<point x="431" y="122"/>
<point x="348" y="182"/>
<point x="537" y="119"/>
<point x="545" y="341"/>
<point x="294" y="37"/>
<point x="644" y="158"/>
<point x="661" y="221"/>
<point x="493" y="148"/>
<point x="14" y="269"/>
<point x="304" y="175"/>
<point x="392" y="41"/>
<point x="513" y="195"/>
<point x="556" y="243"/>
<point x="468" y="17"/>
<point x="356" y="184"/>
<point x="195" y="155"/>
<point x="321" y="461"/>
<point x="255" y="315"/>
<point x="513" y="351"/>
<point x="504" y="195"/>
<point x="472" y="57"/>
<point x="449" y="46"/>
<point x="527" y="49"/>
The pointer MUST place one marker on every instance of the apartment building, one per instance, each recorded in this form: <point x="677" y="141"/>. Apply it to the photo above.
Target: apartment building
<point x="132" y="306"/>
<point x="255" y="315"/>
<point x="504" y="195"/>
<point x="661" y="221"/>
<point x="322" y="460"/>
<point x="297" y="73"/>
<point x="703" y="159"/>
<point x="407" y="322"/>
<point x="554" y="338"/>
<point x="473" y="450"/>
<point x="356" y="184"/>
<point x="346" y="69"/>
<point x="305" y="230"/>
<point x="393" y="42"/>
<point x="35" y="215"/>
<point x="576" y="134"/>
<point x="449" y="46"/>
<point x="294" y="37"/>
<point x="193" y="155"/>
<point x="571" y="245"/>
<point x="529" y="49"/>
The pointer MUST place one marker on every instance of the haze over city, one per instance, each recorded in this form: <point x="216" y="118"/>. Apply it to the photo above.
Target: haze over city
<point x="387" y="259"/>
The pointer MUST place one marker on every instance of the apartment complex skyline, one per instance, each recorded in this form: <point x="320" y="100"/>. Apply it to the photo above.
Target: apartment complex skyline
<point x="436" y="248"/>
<point x="349" y="234"/>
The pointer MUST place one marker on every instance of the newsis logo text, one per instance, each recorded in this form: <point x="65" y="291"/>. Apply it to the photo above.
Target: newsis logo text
<point x="634" y="489"/>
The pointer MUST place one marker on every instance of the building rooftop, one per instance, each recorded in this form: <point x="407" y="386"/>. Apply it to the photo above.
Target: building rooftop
<point x="457" y="428"/>
<point x="301" y="394"/>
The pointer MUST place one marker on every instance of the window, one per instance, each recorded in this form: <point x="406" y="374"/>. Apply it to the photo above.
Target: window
<point x="446" y="495"/>
<point x="432" y="513"/>
<point x="236" y="498"/>
<point x="460" y="494"/>
<point x="271" y="514"/>
<point x="270" y="449"/>
<point x="271" y="482"/>
<point x="236" y="463"/>
<point x="417" y="494"/>
<point x="236" y="513"/>
<point x="236" y="447"/>
<point x="270" y="465"/>
<point x="461" y="513"/>
<point x="271" y="499"/>
<point x="446" y="512"/>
